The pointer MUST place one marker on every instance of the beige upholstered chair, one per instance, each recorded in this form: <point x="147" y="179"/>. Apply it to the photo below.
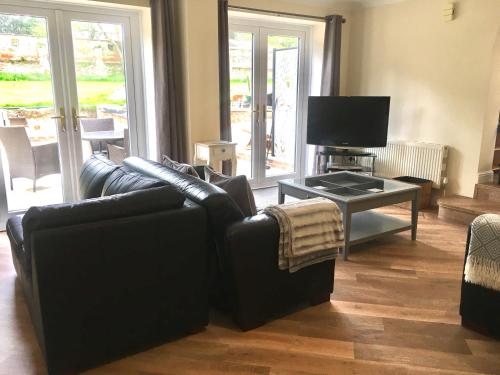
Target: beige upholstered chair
<point x="26" y="160"/>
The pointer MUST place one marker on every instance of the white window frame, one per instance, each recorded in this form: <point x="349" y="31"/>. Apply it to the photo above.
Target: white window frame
<point x="242" y="22"/>
<point x="54" y="12"/>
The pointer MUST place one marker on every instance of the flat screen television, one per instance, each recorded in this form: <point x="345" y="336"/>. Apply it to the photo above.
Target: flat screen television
<point x="348" y="121"/>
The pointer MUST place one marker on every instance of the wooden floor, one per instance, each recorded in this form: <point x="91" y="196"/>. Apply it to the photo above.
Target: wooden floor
<point x="394" y="311"/>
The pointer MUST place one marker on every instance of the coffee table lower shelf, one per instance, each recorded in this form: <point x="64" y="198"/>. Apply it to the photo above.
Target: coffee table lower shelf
<point x="368" y="225"/>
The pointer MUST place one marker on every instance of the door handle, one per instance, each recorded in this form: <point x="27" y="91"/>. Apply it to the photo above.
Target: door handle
<point x="61" y="117"/>
<point x="76" y="117"/>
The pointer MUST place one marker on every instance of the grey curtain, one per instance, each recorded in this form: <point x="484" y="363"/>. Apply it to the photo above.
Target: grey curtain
<point x="171" y="132"/>
<point x="224" y="79"/>
<point x="330" y="78"/>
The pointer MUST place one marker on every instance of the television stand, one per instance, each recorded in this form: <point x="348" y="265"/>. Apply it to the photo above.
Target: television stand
<point x="344" y="160"/>
<point x="344" y="152"/>
<point x="347" y="167"/>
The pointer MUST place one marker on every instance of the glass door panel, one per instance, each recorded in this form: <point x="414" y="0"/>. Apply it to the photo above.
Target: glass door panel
<point x="242" y="57"/>
<point x="29" y="131"/>
<point x="101" y="85"/>
<point x="62" y="71"/>
<point x="266" y="68"/>
<point x="281" y="104"/>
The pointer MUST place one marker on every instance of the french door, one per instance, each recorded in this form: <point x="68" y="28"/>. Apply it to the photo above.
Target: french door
<point x="69" y="88"/>
<point x="268" y="86"/>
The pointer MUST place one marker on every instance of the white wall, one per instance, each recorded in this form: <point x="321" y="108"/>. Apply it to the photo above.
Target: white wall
<point x="199" y="25"/>
<point x="437" y="74"/>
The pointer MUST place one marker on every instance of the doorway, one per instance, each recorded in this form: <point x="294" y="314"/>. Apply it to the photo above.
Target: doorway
<point x="268" y="69"/>
<point x="68" y="89"/>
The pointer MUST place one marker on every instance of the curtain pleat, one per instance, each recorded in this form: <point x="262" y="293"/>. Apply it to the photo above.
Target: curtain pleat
<point x="330" y="77"/>
<point x="170" y="127"/>
<point x="224" y="79"/>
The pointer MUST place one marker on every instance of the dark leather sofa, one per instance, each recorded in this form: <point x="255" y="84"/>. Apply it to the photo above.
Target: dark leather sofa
<point x="243" y="255"/>
<point x="109" y="276"/>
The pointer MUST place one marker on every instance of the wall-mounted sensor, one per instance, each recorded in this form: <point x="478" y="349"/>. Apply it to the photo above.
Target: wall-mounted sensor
<point x="449" y="12"/>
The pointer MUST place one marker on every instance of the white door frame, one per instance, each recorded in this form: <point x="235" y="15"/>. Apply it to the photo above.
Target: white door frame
<point x="58" y="96"/>
<point x="64" y="85"/>
<point x="255" y="105"/>
<point x="73" y="103"/>
<point x="263" y="29"/>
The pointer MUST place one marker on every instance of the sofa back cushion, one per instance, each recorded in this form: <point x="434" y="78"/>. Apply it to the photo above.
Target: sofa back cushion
<point x="124" y="181"/>
<point x="237" y="187"/>
<point x="221" y="208"/>
<point x="93" y="174"/>
<point x="135" y="203"/>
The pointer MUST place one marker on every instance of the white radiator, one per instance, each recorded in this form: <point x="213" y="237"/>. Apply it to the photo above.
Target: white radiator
<point x="416" y="159"/>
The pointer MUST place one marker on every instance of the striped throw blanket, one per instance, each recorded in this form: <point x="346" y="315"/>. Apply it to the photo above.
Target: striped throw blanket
<point x="482" y="266"/>
<point x="311" y="231"/>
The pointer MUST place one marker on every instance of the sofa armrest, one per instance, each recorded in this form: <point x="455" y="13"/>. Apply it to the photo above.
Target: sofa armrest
<point x="252" y="239"/>
<point x="116" y="286"/>
<point x="14" y="229"/>
<point x="260" y="288"/>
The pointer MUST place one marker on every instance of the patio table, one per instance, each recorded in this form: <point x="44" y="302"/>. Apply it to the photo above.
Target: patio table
<point x="104" y="136"/>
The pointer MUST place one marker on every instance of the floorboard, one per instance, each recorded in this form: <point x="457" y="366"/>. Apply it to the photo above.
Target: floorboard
<point x="394" y="311"/>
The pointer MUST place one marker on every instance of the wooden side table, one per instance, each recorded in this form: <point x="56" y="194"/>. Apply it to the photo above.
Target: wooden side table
<point x="214" y="152"/>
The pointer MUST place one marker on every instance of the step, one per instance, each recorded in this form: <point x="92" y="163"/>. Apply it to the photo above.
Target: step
<point x="464" y="210"/>
<point x="488" y="191"/>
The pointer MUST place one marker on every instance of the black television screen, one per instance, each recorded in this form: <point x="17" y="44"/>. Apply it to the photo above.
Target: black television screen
<point x="348" y="121"/>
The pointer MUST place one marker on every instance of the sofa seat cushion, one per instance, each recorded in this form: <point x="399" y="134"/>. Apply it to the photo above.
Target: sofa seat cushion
<point x="124" y="181"/>
<point x="93" y="175"/>
<point x="237" y="187"/>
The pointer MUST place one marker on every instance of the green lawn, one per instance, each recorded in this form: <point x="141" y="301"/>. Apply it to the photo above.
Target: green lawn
<point x="39" y="93"/>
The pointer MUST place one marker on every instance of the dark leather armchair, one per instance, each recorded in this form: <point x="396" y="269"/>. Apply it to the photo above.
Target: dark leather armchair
<point x="110" y="276"/>
<point x="244" y="273"/>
